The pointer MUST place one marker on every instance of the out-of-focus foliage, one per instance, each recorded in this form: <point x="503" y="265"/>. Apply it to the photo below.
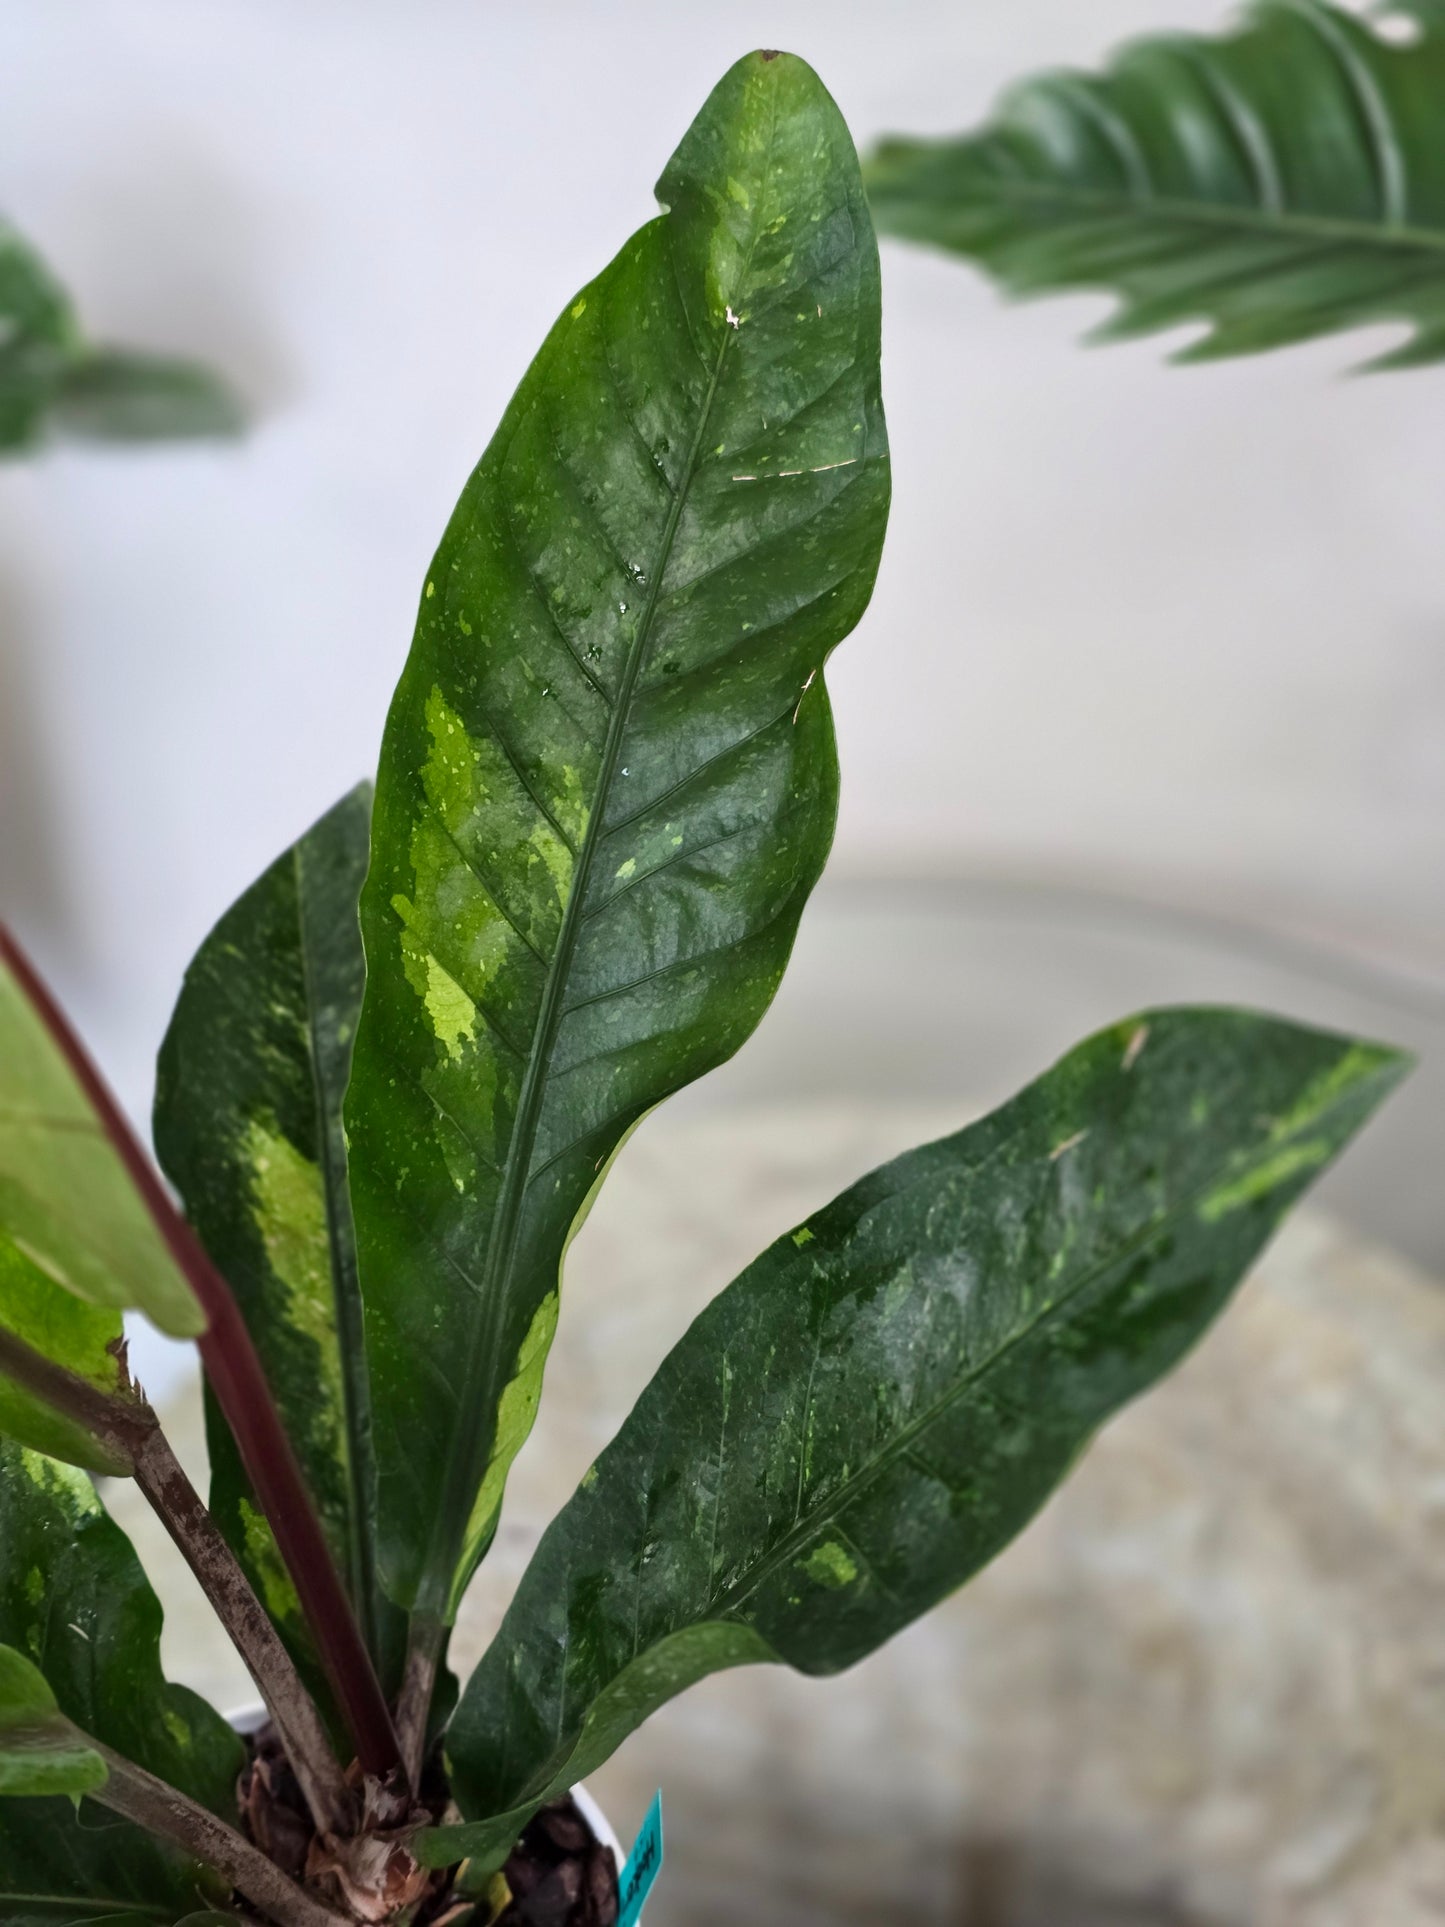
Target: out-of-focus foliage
<point x="53" y="381"/>
<point x="1281" y="182"/>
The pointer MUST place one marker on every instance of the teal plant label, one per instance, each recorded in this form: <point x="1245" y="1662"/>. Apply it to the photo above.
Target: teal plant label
<point x="644" y="1864"/>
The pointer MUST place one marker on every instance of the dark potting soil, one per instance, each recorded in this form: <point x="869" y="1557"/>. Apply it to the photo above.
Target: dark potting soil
<point x="558" y="1874"/>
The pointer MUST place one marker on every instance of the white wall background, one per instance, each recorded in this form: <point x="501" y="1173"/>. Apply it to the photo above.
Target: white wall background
<point x="1179" y="630"/>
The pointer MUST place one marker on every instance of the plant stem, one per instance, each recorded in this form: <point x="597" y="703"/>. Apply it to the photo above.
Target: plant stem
<point x="163" y="1810"/>
<point x="236" y="1377"/>
<point x="131" y="1434"/>
<point x="162" y="1479"/>
<point x="116" y="1424"/>
<point x="413" y="1708"/>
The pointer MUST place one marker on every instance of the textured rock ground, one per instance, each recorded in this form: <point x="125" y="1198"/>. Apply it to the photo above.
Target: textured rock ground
<point x="1207" y="1686"/>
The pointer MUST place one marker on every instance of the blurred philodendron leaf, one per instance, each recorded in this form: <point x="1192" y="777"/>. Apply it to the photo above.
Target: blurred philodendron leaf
<point x="55" y="381"/>
<point x="608" y="781"/>
<point x="1281" y="182"/>
<point x="885" y="1397"/>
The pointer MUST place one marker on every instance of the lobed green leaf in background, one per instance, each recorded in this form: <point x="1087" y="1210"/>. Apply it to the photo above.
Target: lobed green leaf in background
<point x="1281" y="182"/>
<point x="608" y="780"/>
<point x="886" y="1397"/>
<point x="52" y="380"/>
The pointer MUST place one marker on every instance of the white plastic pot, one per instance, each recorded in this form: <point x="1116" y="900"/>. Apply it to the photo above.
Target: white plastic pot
<point x="600" y="1824"/>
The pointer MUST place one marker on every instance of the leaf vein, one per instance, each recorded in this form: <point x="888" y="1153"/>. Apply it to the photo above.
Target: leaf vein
<point x="470" y="864"/>
<point x="899" y="1443"/>
<point x="695" y="775"/>
<point x="507" y="525"/>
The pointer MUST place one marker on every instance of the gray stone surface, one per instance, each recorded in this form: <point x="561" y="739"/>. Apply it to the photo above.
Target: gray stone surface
<point x="1207" y="1686"/>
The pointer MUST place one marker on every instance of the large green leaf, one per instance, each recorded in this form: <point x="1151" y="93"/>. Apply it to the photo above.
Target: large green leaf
<point x="248" y="1127"/>
<point x="608" y="780"/>
<point x="888" y="1395"/>
<point x="40" y="1751"/>
<point x="51" y="378"/>
<point x="1282" y="182"/>
<point x="75" y="1603"/>
<point x="67" y="1202"/>
<point x="84" y="1339"/>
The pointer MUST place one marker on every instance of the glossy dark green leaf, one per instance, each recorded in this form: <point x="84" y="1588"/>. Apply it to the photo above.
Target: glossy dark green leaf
<point x="608" y="780"/>
<point x="66" y="1200"/>
<point x="75" y="1603"/>
<point x="1281" y="182"/>
<point x="83" y="1339"/>
<point x="41" y="1753"/>
<point x="888" y="1395"/>
<point x="248" y="1127"/>
<point x="53" y="380"/>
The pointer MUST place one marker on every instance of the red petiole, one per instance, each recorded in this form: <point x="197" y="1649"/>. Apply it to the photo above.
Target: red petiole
<point x="236" y="1376"/>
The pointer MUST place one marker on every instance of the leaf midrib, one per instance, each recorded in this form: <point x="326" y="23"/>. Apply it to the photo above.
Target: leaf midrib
<point x="355" y="1391"/>
<point x="438" y="1576"/>
<point x="1281" y="224"/>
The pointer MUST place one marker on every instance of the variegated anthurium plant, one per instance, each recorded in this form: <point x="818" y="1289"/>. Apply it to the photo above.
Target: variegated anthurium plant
<point x="398" y="1071"/>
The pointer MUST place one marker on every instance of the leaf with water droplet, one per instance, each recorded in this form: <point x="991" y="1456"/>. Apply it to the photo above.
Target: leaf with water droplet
<point x="865" y="1418"/>
<point x="590" y="998"/>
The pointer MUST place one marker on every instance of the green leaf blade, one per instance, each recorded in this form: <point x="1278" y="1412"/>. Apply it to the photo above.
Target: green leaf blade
<point x="608" y="781"/>
<point x="76" y="1606"/>
<point x="886" y="1397"/>
<point x="51" y="378"/>
<point x="1279" y="183"/>
<point x="83" y="1339"/>
<point x="40" y="1751"/>
<point x="67" y="1203"/>
<point x="249" y="1089"/>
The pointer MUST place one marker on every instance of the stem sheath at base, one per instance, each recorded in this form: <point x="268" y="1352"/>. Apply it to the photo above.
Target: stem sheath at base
<point x="160" y="1809"/>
